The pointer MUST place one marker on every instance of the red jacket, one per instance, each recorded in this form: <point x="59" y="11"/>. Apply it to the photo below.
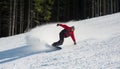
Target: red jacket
<point x="70" y="33"/>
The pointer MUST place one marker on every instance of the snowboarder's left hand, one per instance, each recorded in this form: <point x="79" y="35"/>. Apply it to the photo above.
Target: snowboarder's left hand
<point x="74" y="43"/>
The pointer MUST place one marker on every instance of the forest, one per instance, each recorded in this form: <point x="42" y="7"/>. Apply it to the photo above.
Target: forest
<point x="19" y="16"/>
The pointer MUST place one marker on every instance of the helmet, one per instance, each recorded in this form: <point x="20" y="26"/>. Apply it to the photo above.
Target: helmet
<point x="73" y="27"/>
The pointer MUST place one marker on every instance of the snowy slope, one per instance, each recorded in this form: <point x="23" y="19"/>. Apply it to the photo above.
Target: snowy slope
<point x="98" y="46"/>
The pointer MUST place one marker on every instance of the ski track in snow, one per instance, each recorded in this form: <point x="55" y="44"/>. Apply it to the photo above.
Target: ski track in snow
<point x="98" y="47"/>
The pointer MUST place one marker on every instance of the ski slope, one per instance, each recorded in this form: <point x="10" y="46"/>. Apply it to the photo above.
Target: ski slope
<point x="98" y="46"/>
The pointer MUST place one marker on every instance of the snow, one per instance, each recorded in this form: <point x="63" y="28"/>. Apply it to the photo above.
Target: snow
<point x="98" y="46"/>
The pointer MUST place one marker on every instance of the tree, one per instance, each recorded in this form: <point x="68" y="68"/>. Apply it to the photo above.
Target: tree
<point x="14" y="16"/>
<point x="10" y="18"/>
<point x="18" y="16"/>
<point x="29" y="16"/>
<point x="43" y="9"/>
<point x="21" y="16"/>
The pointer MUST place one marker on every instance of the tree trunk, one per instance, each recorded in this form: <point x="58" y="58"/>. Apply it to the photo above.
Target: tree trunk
<point x="16" y="19"/>
<point x="10" y="20"/>
<point x="93" y="8"/>
<point x="111" y="6"/>
<point x="0" y="24"/>
<point x="13" y="22"/>
<point x="21" y="15"/>
<point x="28" y="19"/>
<point x="98" y="6"/>
<point x="117" y="5"/>
<point x="58" y="10"/>
<point x="100" y="12"/>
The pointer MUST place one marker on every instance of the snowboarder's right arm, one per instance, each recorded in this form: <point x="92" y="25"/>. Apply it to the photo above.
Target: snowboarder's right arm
<point x="64" y="26"/>
<point x="73" y="38"/>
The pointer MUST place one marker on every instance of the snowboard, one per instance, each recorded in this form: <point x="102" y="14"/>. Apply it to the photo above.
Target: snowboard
<point x="56" y="46"/>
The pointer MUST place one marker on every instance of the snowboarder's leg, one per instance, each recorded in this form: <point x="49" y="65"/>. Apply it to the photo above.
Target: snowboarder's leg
<point x="60" y="42"/>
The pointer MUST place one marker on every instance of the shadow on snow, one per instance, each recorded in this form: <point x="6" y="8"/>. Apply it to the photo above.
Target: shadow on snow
<point x="17" y="53"/>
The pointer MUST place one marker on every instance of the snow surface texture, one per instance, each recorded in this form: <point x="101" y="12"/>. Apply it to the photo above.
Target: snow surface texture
<point x="98" y="46"/>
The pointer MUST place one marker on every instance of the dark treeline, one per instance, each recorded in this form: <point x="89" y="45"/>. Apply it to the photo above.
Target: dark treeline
<point x="66" y="10"/>
<point x="18" y="16"/>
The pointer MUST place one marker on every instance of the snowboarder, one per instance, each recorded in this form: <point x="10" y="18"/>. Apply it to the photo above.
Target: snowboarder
<point x="66" y="32"/>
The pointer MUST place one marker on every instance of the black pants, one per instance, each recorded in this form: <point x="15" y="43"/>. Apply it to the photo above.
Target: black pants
<point x="61" y="38"/>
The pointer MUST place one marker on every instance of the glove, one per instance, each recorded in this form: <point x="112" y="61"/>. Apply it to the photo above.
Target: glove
<point x="58" y="24"/>
<point x="74" y="43"/>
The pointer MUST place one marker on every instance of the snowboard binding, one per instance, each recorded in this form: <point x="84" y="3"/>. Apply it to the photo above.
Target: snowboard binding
<point x="55" y="44"/>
